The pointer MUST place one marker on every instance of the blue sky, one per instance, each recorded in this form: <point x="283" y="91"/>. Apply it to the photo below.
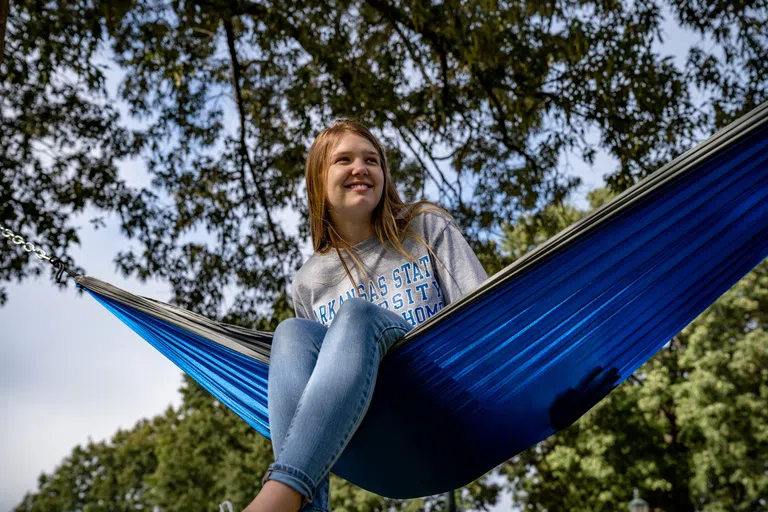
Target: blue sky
<point x="70" y="371"/>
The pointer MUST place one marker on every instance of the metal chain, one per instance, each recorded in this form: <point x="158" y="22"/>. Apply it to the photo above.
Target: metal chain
<point x="27" y="246"/>
<point x="59" y="265"/>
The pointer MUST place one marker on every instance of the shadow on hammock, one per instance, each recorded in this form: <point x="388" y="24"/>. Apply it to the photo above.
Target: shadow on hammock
<point x="572" y="404"/>
<point x="416" y="433"/>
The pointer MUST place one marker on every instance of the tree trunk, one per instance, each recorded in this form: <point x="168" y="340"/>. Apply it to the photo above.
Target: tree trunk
<point x="4" y="9"/>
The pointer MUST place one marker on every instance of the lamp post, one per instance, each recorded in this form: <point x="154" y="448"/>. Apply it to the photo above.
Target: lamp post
<point x="638" y="504"/>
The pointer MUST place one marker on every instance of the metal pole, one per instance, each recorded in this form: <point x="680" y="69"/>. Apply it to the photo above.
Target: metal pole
<point x="451" y="501"/>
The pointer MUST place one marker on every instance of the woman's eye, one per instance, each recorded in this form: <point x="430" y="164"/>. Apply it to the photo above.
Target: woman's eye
<point x="343" y="159"/>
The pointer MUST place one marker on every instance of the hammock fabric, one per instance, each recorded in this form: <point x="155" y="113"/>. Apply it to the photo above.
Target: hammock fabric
<point x="535" y="346"/>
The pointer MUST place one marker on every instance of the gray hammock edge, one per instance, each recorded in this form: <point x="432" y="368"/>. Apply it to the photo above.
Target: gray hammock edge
<point x="256" y="344"/>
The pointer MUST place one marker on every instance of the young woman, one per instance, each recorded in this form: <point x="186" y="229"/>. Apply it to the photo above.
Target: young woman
<point x="380" y="268"/>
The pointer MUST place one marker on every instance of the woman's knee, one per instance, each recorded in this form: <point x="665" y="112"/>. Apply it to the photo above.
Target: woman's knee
<point x="295" y="334"/>
<point x="358" y="319"/>
<point x="288" y="327"/>
<point x="354" y="308"/>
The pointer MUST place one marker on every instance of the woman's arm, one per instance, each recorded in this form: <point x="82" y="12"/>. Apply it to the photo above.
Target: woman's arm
<point x="461" y="270"/>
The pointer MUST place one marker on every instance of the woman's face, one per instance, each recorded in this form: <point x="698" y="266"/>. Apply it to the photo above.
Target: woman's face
<point x="354" y="160"/>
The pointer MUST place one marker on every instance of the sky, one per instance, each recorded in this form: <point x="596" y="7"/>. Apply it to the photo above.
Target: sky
<point x="71" y="372"/>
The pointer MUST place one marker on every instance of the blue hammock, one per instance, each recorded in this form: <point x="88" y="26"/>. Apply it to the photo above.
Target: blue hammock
<point x="533" y="348"/>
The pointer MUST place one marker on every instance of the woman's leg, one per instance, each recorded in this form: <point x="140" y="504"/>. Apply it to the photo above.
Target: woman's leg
<point x="295" y="346"/>
<point x="337" y="394"/>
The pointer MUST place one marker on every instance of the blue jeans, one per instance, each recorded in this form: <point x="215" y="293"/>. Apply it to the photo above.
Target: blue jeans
<point x="321" y="380"/>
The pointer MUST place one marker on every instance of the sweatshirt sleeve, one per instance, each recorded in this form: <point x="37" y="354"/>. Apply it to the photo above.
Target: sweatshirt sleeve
<point x="461" y="270"/>
<point x="298" y="306"/>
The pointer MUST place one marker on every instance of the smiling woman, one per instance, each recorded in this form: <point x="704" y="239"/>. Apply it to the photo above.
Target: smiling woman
<point x="355" y="185"/>
<point x="340" y="216"/>
<point x="324" y="363"/>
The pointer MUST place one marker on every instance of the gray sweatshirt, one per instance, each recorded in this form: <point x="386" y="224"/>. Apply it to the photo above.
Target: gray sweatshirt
<point x="414" y="290"/>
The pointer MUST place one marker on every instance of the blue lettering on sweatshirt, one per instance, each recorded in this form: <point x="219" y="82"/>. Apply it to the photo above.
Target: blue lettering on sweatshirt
<point x="397" y="279"/>
<point x="383" y="286"/>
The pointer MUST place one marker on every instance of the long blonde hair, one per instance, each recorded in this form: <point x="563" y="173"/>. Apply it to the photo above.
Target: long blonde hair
<point x="390" y="218"/>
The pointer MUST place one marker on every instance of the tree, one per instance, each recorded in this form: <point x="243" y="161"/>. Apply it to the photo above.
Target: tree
<point x="61" y="135"/>
<point x="102" y="477"/>
<point x="690" y="430"/>
<point x="3" y="21"/>
<point x="478" y="102"/>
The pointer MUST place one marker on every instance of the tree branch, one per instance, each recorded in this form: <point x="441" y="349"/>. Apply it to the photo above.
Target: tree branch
<point x="396" y="16"/>
<point x="501" y="122"/>
<point x="429" y="154"/>
<point x="440" y="45"/>
<point x="244" y="154"/>
<point x="416" y="154"/>
<point x="412" y="52"/>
